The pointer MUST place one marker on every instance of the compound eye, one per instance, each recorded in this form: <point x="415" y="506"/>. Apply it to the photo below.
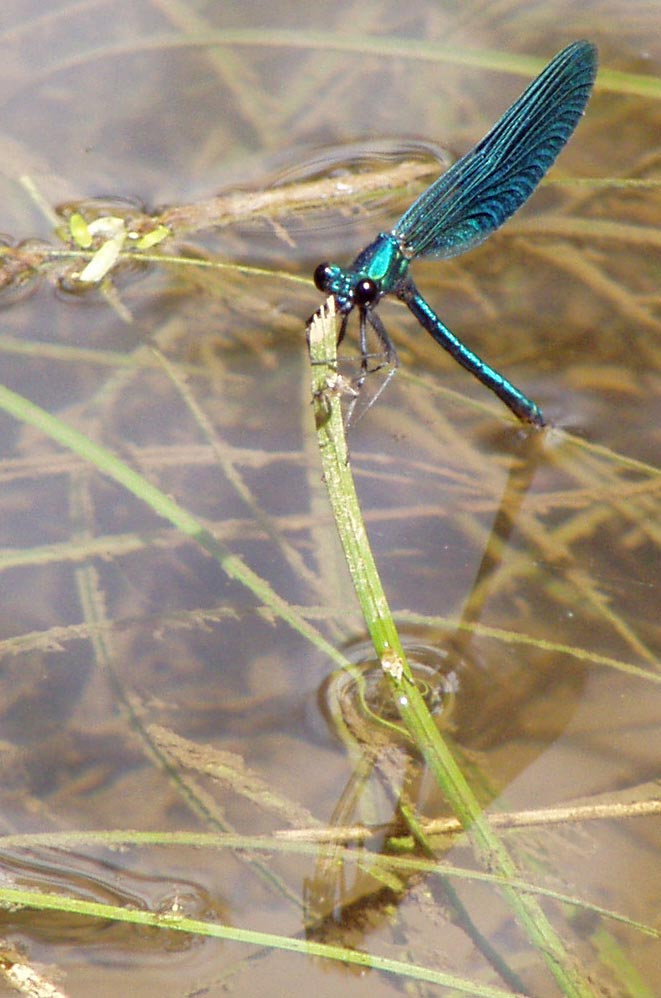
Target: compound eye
<point x="322" y="276"/>
<point x="365" y="292"/>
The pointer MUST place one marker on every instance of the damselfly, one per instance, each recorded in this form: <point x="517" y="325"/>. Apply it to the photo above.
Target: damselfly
<point x="460" y="209"/>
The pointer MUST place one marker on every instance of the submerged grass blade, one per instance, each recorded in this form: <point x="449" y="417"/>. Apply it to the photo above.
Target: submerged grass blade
<point x="108" y="464"/>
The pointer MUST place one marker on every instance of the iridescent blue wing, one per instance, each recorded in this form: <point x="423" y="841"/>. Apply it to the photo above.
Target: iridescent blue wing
<point x="489" y="183"/>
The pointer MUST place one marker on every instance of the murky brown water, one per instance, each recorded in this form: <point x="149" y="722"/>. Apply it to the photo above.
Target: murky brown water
<point x="145" y="690"/>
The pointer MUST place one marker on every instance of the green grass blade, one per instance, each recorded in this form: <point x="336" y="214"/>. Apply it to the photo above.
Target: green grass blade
<point x="10" y="897"/>
<point x="327" y="392"/>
